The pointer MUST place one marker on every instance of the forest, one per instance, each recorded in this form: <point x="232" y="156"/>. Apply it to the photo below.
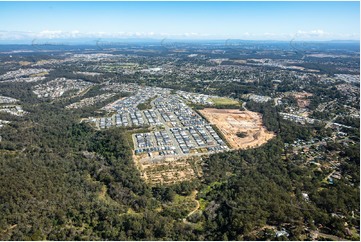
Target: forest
<point x="63" y="180"/>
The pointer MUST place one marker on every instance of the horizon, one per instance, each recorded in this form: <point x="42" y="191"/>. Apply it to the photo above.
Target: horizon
<point x="249" y="21"/>
<point x="168" y="42"/>
<point x="119" y="41"/>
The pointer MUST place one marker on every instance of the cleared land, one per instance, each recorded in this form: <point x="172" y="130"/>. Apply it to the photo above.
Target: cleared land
<point x="232" y="122"/>
<point x="302" y="99"/>
<point x="224" y="101"/>
<point x="167" y="172"/>
<point x="170" y="170"/>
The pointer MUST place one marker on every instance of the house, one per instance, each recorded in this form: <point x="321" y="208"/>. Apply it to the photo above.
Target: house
<point x="305" y="197"/>
<point x="282" y="232"/>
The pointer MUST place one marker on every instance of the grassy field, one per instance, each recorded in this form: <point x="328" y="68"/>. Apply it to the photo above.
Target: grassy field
<point x="224" y="101"/>
<point x="180" y="206"/>
<point x="40" y="74"/>
<point x="146" y="105"/>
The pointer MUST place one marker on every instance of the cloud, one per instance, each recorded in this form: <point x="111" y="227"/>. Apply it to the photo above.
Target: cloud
<point x="320" y="34"/>
<point x="317" y="34"/>
<point x="58" y="34"/>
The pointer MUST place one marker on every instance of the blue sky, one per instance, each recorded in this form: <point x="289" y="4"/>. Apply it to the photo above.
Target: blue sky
<point x="191" y="20"/>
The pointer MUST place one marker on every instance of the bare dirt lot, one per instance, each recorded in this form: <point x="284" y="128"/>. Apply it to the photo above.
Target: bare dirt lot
<point x="302" y="98"/>
<point x="167" y="172"/>
<point x="233" y="121"/>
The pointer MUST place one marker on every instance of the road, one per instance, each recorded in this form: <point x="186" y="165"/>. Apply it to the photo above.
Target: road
<point x="316" y="234"/>
<point x="194" y="210"/>
<point x="244" y="106"/>
<point x="197" y="207"/>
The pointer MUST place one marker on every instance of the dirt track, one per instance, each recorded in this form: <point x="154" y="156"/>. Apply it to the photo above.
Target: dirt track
<point x="233" y="121"/>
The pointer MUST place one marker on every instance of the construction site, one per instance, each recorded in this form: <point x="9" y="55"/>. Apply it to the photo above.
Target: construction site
<point x="241" y="129"/>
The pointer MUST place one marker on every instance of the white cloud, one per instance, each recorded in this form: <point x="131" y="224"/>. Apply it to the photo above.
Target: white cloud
<point x="317" y="34"/>
<point x="320" y="34"/>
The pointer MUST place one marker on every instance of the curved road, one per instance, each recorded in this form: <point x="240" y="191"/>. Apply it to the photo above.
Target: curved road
<point x="194" y="210"/>
<point x="197" y="207"/>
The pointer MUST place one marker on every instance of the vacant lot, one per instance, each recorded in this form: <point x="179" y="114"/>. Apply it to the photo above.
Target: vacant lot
<point x="167" y="172"/>
<point x="232" y="122"/>
<point x="224" y="101"/>
<point x="302" y="98"/>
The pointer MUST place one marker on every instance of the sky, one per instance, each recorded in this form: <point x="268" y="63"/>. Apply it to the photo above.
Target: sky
<point x="180" y="20"/>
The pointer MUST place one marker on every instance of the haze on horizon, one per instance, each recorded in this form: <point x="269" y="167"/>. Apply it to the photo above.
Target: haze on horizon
<point x="21" y="22"/>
